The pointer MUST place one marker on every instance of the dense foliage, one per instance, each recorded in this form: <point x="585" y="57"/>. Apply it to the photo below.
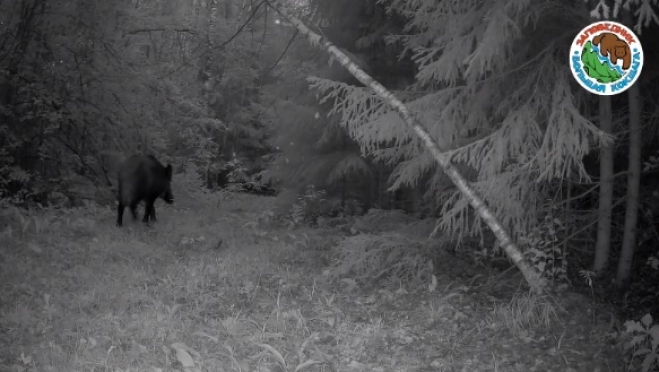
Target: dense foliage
<point x="227" y="92"/>
<point x="85" y="84"/>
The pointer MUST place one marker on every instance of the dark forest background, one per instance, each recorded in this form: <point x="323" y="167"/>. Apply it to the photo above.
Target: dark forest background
<point x="229" y="94"/>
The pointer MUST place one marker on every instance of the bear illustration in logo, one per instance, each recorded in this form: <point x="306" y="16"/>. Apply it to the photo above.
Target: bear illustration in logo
<point x="615" y="47"/>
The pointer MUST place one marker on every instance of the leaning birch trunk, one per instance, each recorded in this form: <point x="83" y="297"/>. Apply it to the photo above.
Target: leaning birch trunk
<point x="431" y="145"/>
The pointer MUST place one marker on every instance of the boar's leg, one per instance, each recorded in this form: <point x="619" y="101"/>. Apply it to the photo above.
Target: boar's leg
<point x="149" y="211"/>
<point x="133" y="211"/>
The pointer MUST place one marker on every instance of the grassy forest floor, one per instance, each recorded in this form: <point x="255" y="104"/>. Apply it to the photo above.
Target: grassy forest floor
<point x="212" y="288"/>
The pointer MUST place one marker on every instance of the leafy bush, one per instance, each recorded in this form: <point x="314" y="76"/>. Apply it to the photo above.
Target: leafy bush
<point x="641" y="340"/>
<point x="189" y="181"/>
<point x="309" y="206"/>
<point x="545" y="252"/>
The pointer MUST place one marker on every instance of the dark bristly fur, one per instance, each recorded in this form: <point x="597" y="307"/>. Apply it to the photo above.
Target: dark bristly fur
<point x="143" y="177"/>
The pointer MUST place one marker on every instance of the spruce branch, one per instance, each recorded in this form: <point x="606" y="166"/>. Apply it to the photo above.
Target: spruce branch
<point x="429" y="143"/>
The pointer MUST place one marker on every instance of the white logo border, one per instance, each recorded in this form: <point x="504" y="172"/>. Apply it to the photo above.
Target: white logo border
<point x="576" y="49"/>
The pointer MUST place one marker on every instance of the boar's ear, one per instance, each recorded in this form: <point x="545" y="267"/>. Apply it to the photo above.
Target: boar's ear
<point x="168" y="171"/>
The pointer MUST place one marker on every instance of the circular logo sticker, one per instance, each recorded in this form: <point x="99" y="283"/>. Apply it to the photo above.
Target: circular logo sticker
<point x="606" y="58"/>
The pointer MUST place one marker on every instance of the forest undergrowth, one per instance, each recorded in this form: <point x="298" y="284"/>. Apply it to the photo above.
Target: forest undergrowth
<point x="222" y="285"/>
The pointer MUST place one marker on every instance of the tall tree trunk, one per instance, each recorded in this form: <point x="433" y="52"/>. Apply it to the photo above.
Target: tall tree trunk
<point x="606" y="189"/>
<point x="416" y="198"/>
<point x="633" y="187"/>
<point x="377" y="186"/>
<point x="368" y="189"/>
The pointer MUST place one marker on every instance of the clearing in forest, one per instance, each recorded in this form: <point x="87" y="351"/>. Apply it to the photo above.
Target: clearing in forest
<point x="215" y="287"/>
